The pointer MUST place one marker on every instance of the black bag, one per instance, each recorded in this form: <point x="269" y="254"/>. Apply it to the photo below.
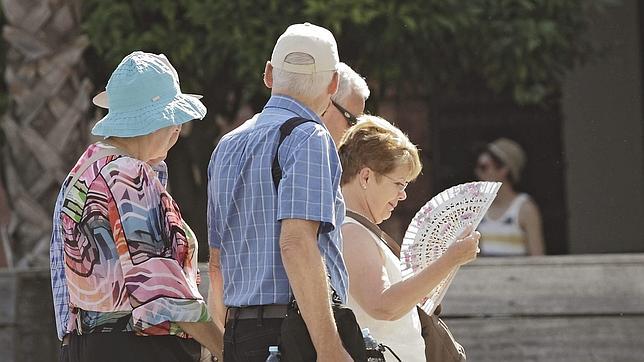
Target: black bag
<point x="296" y="344"/>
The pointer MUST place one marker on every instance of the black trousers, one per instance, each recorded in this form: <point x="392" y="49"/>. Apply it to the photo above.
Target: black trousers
<point x="125" y="347"/>
<point x="63" y="354"/>
<point x="247" y="340"/>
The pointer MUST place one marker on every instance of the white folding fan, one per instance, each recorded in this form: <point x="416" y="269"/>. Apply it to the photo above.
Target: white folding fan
<point x="437" y="225"/>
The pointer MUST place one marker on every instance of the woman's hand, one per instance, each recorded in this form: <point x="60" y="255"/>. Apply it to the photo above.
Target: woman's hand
<point x="465" y="248"/>
<point x="208" y="334"/>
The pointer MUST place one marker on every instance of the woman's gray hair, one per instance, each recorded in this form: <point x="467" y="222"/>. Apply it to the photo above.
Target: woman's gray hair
<point x="307" y="86"/>
<point x="350" y="83"/>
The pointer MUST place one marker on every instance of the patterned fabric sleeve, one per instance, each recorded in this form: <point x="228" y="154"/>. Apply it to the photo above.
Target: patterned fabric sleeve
<point x="156" y="248"/>
<point x="307" y="191"/>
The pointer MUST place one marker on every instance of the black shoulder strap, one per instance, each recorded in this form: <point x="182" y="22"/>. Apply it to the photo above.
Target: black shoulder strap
<point x="285" y="130"/>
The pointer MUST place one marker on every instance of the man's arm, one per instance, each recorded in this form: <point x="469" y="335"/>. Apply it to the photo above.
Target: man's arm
<point x="216" y="290"/>
<point x="307" y="277"/>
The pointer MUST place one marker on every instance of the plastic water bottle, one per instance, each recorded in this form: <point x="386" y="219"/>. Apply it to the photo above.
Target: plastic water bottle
<point x="273" y="354"/>
<point x="374" y="352"/>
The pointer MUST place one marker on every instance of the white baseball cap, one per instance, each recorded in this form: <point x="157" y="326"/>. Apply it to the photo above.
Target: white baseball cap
<point x="310" y="39"/>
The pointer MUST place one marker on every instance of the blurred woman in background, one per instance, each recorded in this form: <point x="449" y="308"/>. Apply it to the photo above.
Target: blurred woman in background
<point x="512" y="224"/>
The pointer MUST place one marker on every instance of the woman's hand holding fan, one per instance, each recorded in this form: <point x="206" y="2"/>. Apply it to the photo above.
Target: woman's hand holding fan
<point x="465" y="248"/>
<point x="436" y="227"/>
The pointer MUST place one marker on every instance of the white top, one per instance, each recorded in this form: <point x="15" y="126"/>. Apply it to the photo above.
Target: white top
<point x="402" y="335"/>
<point x="504" y="236"/>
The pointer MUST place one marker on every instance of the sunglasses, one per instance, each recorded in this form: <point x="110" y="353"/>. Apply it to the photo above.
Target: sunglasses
<point x="351" y="119"/>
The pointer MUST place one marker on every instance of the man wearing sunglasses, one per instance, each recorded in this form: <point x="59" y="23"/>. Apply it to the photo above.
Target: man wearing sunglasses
<point x="347" y="103"/>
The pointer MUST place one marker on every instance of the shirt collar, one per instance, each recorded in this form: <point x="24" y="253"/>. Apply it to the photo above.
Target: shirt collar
<point x="292" y="105"/>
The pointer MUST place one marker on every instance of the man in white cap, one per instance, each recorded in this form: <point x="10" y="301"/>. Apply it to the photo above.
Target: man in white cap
<point x="275" y="236"/>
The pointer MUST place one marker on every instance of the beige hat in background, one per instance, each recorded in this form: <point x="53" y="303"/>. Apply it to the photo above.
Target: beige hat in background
<point x="310" y="39"/>
<point x="511" y="154"/>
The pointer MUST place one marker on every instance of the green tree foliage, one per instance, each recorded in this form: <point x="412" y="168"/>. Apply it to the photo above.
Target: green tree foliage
<point x="517" y="48"/>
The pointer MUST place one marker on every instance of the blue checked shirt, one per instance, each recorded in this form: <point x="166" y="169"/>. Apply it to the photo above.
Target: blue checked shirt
<point x="57" y="259"/>
<point x="244" y="208"/>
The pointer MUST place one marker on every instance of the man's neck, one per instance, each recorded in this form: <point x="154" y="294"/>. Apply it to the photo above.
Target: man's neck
<point x="316" y="105"/>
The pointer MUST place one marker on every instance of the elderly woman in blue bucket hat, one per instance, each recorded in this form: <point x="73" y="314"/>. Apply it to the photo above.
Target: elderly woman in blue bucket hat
<point x="123" y="260"/>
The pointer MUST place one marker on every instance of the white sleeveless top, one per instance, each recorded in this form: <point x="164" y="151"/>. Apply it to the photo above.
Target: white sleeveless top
<point x="504" y="236"/>
<point x="402" y="335"/>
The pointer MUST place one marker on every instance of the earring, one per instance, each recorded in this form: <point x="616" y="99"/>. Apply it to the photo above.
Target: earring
<point x="364" y="187"/>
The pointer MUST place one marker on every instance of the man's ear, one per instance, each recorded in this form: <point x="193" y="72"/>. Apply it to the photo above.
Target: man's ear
<point x="335" y="83"/>
<point x="268" y="75"/>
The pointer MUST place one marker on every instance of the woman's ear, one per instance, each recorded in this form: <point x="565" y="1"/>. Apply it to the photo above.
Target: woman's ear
<point x="363" y="176"/>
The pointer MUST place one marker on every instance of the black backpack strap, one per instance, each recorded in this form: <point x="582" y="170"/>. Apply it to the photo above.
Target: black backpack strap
<point x="285" y="130"/>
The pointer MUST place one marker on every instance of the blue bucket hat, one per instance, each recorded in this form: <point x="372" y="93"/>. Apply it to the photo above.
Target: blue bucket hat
<point x="142" y="96"/>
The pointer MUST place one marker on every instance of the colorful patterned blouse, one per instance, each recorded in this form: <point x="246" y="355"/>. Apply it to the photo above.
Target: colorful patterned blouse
<point x="130" y="258"/>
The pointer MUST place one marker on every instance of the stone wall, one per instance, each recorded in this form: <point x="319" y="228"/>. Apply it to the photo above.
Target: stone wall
<point x="553" y="308"/>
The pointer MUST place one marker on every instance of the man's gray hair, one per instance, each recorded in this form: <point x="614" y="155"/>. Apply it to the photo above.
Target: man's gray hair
<point x="307" y="86"/>
<point x="350" y="83"/>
